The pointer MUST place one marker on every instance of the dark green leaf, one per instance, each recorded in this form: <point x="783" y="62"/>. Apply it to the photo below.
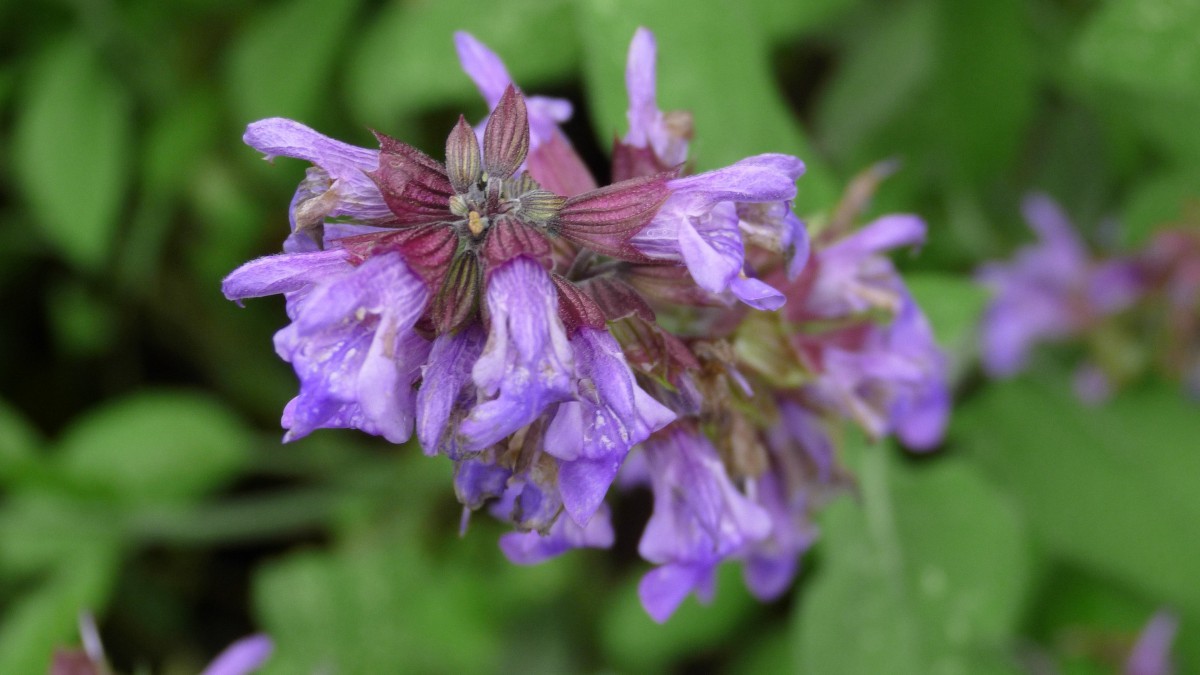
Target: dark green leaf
<point x="72" y="148"/>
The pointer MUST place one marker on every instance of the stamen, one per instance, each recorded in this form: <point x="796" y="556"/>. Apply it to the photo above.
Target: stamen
<point x="475" y="224"/>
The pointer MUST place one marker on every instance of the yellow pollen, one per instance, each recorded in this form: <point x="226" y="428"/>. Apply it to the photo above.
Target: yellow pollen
<point x="474" y="223"/>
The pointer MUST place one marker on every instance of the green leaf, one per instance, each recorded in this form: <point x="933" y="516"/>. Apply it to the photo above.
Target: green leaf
<point x="927" y="575"/>
<point x="406" y="59"/>
<point x="71" y="146"/>
<point x="1110" y="489"/>
<point x="48" y="617"/>
<point x="155" y="447"/>
<point x="957" y="93"/>
<point x="282" y="64"/>
<point x="780" y="19"/>
<point x="1158" y="202"/>
<point x="368" y="609"/>
<point x="1145" y="45"/>
<point x="18" y="440"/>
<point x="714" y="63"/>
<point x="953" y="306"/>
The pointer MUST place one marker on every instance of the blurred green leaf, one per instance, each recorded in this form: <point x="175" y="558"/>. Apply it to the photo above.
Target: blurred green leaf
<point x="780" y="19"/>
<point x="72" y="147"/>
<point x="42" y="529"/>
<point x="1146" y="45"/>
<point x="405" y="59"/>
<point x="953" y="305"/>
<point x="282" y="64"/>
<point x="715" y="64"/>
<point x="368" y="609"/>
<point x="1111" y="489"/>
<point x="858" y="104"/>
<point x="957" y="93"/>
<point x="18" y="440"/>
<point x="48" y="617"/>
<point x="155" y="447"/>
<point x="632" y="641"/>
<point x="1159" y="202"/>
<point x="927" y="575"/>
<point x="84" y="325"/>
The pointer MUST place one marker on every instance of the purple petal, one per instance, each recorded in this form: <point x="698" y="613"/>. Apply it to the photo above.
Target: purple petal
<point x="882" y="234"/>
<point x="526" y="364"/>
<point x="353" y="348"/>
<point x="531" y="548"/>
<point x="486" y="69"/>
<point x="663" y="589"/>
<point x="444" y="384"/>
<point x="757" y="294"/>
<point x="1152" y="653"/>
<point x="340" y="166"/>
<point x="242" y="657"/>
<point x="644" y="115"/>
<point x="594" y="434"/>
<point x="284" y="273"/>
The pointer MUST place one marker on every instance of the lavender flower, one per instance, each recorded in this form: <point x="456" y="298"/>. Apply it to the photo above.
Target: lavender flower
<point x="1151" y="655"/>
<point x="699" y="519"/>
<point x="542" y="333"/>
<point x="1049" y="291"/>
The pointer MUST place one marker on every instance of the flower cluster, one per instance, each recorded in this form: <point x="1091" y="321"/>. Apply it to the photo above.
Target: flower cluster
<point x="1124" y="306"/>
<point x="536" y="328"/>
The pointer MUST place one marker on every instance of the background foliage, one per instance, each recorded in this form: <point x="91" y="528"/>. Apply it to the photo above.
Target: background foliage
<point x="140" y="464"/>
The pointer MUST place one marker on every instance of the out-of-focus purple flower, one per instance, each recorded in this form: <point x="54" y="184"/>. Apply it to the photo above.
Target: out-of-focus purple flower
<point x="851" y="276"/>
<point x="1151" y="654"/>
<point x="655" y="141"/>
<point x="771" y="564"/>
<point x="699" y="519"/>
<point x="336" y="186"/>
<point x="1049" y="291"/>
<point x="242" y="657"/>
<point x="699" y="224"/>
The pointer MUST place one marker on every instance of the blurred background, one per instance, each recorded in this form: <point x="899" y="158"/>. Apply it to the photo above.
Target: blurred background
<point x="141" y="470"/>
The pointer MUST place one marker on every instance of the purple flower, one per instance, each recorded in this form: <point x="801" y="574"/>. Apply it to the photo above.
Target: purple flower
<point x="531" y="548"/>
<point x="242" y="657"/>
<point x="592" y="434"/>
<point x="851" y="276"/>
<point x="336" y="186"/>
<point x="527" y="363"/>
<point x="1152" y="653"/>
<point x="699" y="519"/>
<point x="771" y="564"/>
<point x="1049" y="291"/>
<point x="656" y="141"/>
<point x="351" y="339"/>
<point x="700" y="224"/>
<point x="552" y="161"/>
<point x="889" y="378"/>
